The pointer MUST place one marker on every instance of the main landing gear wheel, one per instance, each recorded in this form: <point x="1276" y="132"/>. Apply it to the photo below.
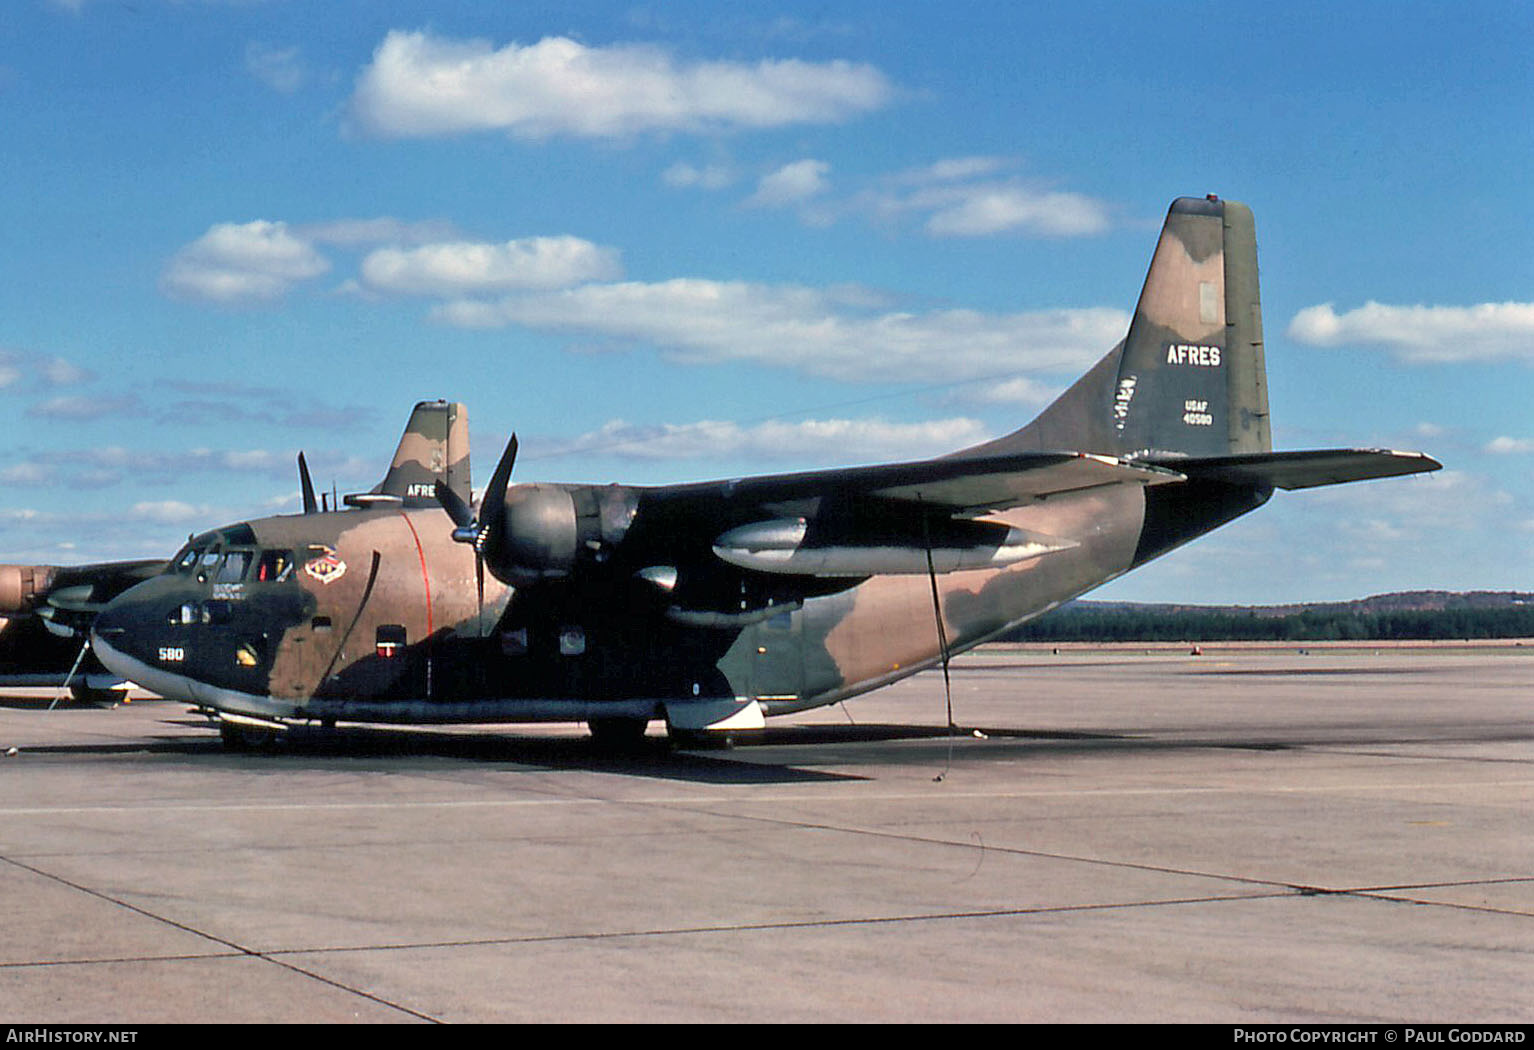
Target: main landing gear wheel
<point x="86" y="695"/>
<point x="700" y="739"/>
<point x="243" y="738"/>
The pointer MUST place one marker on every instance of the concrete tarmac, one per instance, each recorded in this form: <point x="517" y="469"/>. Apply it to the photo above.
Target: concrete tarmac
<point x="1257" y="834"/>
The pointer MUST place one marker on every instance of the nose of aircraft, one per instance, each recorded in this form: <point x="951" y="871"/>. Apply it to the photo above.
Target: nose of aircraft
<point x="107" y="632"/>
<point x="116" y="635"/>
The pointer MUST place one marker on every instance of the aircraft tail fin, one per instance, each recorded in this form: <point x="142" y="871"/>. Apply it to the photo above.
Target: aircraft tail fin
<point x="1189" y="378"/>
<point x="434" y="447"/>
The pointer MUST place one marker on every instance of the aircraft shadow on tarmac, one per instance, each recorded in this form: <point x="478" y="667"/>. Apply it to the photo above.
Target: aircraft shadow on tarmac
<point x="38" y="702"/>
<point x="305" y="748"/>
<point x="771" y="756"/>
<point x="776" y="755"/>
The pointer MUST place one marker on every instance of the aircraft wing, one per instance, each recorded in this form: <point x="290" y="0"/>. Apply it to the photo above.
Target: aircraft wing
<point x="964" y="486"/>
<point x="916" y="517"/>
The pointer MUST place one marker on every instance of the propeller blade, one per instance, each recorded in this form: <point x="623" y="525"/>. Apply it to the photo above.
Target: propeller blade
<point x="495" y="493"/>
<point x="492" y="505"/>
<point x="479" y="588"/>
<point x="461" y="513"/>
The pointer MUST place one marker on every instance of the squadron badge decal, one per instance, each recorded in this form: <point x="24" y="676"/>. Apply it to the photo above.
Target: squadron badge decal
<point x="327" y="568"/>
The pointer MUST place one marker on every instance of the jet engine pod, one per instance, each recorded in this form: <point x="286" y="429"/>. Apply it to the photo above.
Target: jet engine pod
<point x="20" y="586"/>
<point x="790" y="546"/>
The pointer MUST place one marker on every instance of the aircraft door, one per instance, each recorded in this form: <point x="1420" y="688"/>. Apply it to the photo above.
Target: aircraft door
<point x="308" y="645"/>
<point x="777" y="668"/>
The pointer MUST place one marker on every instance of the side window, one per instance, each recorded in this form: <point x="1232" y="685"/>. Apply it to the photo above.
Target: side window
<point x="274" y="567"/>
<point x="207" y="563"/>
<point x="234" y="567"/>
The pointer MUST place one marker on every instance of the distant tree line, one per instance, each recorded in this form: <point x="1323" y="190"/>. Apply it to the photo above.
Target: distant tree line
<point x="1085" y="622"/>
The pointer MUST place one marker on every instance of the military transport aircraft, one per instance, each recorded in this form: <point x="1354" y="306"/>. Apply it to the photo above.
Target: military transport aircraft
<point x="713" y="605"/>
<point x="46" y="611"/>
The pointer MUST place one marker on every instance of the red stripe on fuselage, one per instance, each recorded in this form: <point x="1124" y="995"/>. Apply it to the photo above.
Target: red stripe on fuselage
<point x="425" y="576"/>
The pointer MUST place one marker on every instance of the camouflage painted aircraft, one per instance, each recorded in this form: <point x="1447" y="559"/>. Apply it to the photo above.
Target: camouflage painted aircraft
<point x="713" y="605"/>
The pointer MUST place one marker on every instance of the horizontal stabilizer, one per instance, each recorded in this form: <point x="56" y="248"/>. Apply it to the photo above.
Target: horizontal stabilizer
<point x="1303" y="470"/>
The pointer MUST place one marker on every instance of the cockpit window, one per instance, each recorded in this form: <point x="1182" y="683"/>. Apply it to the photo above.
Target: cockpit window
<point x="274" y="566"/>
<point x="187" y="559"/>
<point x="234" y="567"/>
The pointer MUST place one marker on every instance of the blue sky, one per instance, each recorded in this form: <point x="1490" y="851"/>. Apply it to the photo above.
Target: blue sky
<point x="679" y="241"/>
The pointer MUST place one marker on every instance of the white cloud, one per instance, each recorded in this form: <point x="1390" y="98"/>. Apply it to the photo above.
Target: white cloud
<point x="242" y="262"/>
<point x="1505" y="446"/>
<point x="279" y="68"/>
<point x="383" y="229"/>
<point x="981" y="210"/>
<point x="682" y="175"/>
<point x="25" y="474"/>
<point x="56" y="371"/>
<point x="468" y="268"/>
<point x="952" y="168"/>
<point x="1424" y="506"/>
<point x="822" y="332"/>
<point x="49" y="371"/>
<point x="1425" y="334"/>
<point x="422" y="85"/>
<point x="84" y="407"/>
<point x="1019" y="390"/>
<point x="791" y="184"/>
<point x="846" y="440"/>
<point x="969" y="197"/>
<point x="107" y="466"/>
<point x="170" y="512"/>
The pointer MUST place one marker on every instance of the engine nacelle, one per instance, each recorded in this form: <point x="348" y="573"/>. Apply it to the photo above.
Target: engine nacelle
<point x="548" y="530"/>
<point x="20" y="585"/>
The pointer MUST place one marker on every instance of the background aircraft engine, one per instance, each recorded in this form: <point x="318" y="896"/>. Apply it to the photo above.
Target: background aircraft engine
<point x="20" y="586"/>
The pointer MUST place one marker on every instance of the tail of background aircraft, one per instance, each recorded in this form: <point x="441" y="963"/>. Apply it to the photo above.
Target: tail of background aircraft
<point x="435" y="446"/>
<point x="1189" y="379"/>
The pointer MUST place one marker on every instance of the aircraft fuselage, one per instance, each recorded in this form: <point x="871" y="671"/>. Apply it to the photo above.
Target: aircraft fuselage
<point x="290" y="618"/>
